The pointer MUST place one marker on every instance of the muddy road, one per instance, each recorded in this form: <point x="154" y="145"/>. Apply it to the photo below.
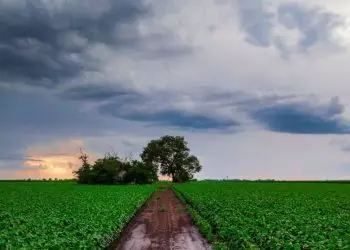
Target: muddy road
<point x="162" y="224"/>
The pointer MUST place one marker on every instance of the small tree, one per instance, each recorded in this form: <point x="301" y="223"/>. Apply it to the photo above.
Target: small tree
<point x="170" y="156"/>
<point x="84" y="174"/>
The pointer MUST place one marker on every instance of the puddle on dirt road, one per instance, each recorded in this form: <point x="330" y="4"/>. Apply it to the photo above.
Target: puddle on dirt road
<point x="188" y="239"/>
<point x="162" y="224"/>
<point x="138" y="239"/>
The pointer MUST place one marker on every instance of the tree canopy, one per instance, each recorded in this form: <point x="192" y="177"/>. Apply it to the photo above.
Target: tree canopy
<point x="171" y="156"/>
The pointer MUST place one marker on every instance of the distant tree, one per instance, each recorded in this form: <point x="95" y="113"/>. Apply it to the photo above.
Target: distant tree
<point x="171" y="156"/>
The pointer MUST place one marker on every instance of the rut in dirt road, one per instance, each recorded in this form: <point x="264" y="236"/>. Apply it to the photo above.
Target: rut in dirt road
<point x="162" y="224"/>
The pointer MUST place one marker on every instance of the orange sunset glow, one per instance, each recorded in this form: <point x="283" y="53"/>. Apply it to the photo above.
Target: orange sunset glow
<point x="52" y="166"/>
<point x="54" y="160"/>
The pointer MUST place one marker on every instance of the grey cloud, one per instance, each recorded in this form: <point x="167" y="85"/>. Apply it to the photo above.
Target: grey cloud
<point x="43" y="42"/>
<point x="49" y="22"/>
<point x="346" y="148"/>
<point x="44" y="113"/>
<point x="313" y="23"/>
<point x="10" y="156"/>
<point x="284" y="113"/>
<point x="37" y="63"/>
<point x="335" y="107"/>
<point x="289" y="113"/>
<point x="302" y="117"/>
<point x="342" y="144"/>
<point x="246" y="101"/>
<point x="166" y="52"/>
<point x="256" y="22"/>
<point x="143" y="108"/>
<point x="48" y="42"/>
<point x="29" y="119"/>
<point x="92" y="92"/>
<point x="12" y="147"/>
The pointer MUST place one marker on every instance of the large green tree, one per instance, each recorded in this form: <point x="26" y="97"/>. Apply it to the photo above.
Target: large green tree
<point x="171" y="156"/>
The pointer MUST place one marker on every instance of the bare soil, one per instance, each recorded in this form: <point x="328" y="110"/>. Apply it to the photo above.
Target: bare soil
<point x="162" y="224"/>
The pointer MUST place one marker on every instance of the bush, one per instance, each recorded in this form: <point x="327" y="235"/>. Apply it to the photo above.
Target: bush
<point x="137" y="175"/>
<point x="113" y="170"/>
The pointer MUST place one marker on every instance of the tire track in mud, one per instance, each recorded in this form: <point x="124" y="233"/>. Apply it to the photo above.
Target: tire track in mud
<point x="162" y="224"/>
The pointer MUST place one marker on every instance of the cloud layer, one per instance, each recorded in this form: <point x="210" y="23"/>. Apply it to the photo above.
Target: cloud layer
<point x="258" y="87"/>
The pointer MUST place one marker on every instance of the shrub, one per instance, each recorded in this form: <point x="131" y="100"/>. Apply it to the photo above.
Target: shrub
<point x="113" y="170"/>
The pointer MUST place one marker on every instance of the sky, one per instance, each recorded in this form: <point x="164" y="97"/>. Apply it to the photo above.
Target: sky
<point x="259" y="88"/>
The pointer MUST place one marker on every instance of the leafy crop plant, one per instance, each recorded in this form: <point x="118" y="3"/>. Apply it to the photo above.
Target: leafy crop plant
<point x="53" y="215"/>
<point x="277" y="215"/>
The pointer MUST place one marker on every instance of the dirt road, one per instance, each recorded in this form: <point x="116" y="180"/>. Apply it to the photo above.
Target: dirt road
<point x="162" y="224"/>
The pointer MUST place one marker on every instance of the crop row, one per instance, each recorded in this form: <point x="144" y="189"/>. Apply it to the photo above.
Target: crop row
<point x="252" y="215"/>
<point x="65" y="215"/>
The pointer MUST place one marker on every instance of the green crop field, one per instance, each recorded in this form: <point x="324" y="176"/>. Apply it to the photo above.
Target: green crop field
<point x="280" y="215"/>
<point x="65" y="215"/>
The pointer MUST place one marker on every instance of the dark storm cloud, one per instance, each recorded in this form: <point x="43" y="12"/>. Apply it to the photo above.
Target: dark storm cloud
<point x="144" y="109"/>
<point x="46" y="42"/>
<point x="93" y="92"/>
<point x="44" y="114"/>
<point x="300" y="118"/>
<point x="181" y="119"/>
<point x="42" y="42"/>
<point x="288" y="113"/>
<point x="279" y="113"/>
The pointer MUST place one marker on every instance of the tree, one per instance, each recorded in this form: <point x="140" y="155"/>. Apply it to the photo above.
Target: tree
<point x="84" y="173"/>
<point x="171" y="156"/>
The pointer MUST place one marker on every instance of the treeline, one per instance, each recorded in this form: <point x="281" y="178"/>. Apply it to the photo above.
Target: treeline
<point x="113" y="170"/>
<point x="39" y="180"/>
<point x="168" y="156"/>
